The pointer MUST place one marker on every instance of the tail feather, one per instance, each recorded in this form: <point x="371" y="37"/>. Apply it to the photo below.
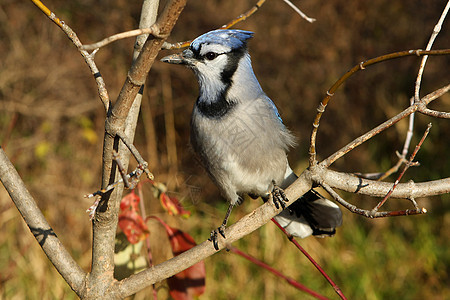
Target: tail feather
<point x="311" y="214"/>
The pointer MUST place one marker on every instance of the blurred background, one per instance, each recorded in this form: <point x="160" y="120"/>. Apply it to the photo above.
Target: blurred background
<point x="52" y="126"/>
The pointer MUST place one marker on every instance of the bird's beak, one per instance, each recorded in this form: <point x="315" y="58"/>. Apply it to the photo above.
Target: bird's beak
<point x="183" y="58"/>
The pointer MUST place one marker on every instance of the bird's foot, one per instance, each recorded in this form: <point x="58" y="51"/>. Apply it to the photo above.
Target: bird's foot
<point x="279" y="197"/>
<point x="214" y="235"/>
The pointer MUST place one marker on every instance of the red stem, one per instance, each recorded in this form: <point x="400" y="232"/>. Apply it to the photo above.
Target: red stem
<point x="318" y="267"/>
<point x="278" y="273"/>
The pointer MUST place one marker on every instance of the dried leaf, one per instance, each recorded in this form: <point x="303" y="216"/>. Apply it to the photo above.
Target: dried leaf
<point x="190" y="282"/>
<point x="130" y="201"/>
<point x="130" y="221"/>
<point x="173" y="206"/>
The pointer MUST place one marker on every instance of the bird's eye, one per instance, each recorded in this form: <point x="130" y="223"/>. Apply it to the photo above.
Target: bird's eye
<point x="210" y="55"/>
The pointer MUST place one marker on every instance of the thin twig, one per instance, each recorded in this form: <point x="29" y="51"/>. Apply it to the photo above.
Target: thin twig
<point x="244" y="16"/>
<point x="435" y="113"/>
<point x="88" y="57"/>
<point x="240" y="18"/>
<point x="289" y="280"/>
<point x="434" y="95"/>
<point x="406" y="167"/>
<point x="396" y="167"/>
<point x="136" y="154"/>
<point x="291" y="238"/>
<point x="297" y="10"/>
<point x="132" y="179"/>
<point x="338" y="83"/>
<point x="122" y="171"/>
<point x="409" y="133"/>
<point x="435" y="33"/>
<point x="153" y="30"/>
<point x="368" y="213"/>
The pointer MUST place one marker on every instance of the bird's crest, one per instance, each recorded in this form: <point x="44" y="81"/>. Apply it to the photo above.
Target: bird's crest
<point x="232" y="38"/>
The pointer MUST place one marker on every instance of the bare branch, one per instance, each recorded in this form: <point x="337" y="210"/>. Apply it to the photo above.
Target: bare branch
<point x="135" y="153"/>
<point x="369" y="213"/>
<point x="240" y="18"/>
<point x="338" y="83"/>
<point x="265" y="212"/>
<point x="39" y="227"/>
<point x="103" y="237"/>
<point x="365" y="137"/>
<point x="153" y="30"/>
<point x="410" y="190"/>
<point x="243" y="227"/>
<point x="243" y="16"/>
<point x="409" y="133"/>
<point x="407" y="165"/>
<point x="88" y="57"/>
<point x="297" y="10"/>
<point x="435" y="33"/>
<point x="435" y="113"/>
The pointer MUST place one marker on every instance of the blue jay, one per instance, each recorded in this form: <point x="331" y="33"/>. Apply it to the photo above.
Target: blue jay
<point x="239" y="136"/>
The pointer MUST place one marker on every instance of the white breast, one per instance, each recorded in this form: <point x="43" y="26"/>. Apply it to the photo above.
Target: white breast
<point x="244" y="151"/>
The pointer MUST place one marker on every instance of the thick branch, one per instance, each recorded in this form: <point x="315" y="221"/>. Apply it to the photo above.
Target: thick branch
<point x="243" y="227"/>
<point x="410" y="190"/>
<point x="44" y="234"/>
<point x="106" y="217"/>
<point x="140" y="68"/>
<point x="265" y="212"/>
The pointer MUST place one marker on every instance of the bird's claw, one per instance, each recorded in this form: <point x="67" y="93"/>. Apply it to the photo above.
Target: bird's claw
<point x="213" y="236"/>
<point x="279" y="197"/>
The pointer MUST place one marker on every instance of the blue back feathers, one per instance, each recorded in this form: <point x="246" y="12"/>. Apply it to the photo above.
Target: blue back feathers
<point x="232" y="38"/>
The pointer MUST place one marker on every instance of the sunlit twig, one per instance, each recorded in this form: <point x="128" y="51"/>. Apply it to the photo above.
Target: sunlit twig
<point x="88" y="57"/>
<point x="407" y="165"/>
<point x="340" y="81"/>
<point x="153" y="30"/>
<point x="297" y="10"/>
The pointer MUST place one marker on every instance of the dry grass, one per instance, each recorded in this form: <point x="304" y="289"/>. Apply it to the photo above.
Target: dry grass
<point x="51" y="126"/>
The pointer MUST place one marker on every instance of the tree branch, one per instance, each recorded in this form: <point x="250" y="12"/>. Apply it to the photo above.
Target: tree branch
<point x="417" y="106"/>
<point x="153" y="30"/>
<point x="39" y="227"/>
<point x="435" y="33"/>
<point x="361" y="66"/>
<point x="88" y="57"/>
<point x="243" y="227"/>
<point x="265" y="212"/>
<point x="106" y="217"/>
<point x="410" y="190"/>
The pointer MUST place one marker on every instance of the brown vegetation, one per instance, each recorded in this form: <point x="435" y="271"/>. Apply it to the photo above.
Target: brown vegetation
<point x="52" y="125"/>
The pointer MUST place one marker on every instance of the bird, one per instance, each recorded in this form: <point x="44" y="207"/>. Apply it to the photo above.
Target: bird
<point x="239" y="136"/>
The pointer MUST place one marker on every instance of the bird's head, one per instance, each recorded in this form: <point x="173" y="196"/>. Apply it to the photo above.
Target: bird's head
<point x="214" y="56"/>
